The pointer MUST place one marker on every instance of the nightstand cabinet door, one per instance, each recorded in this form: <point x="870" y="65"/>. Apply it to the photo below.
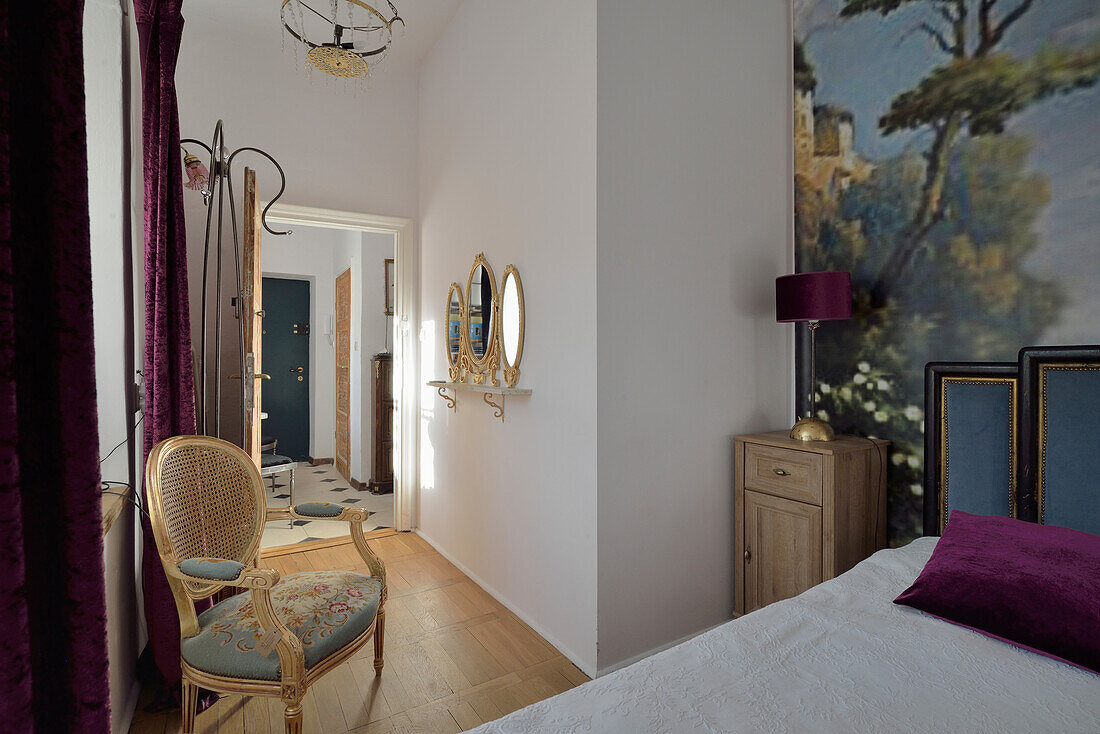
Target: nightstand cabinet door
<point x="782" y="548"/>
<point x="804" y="512"/>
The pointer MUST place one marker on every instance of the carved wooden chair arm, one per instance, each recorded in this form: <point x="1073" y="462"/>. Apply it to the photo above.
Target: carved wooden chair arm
<point x="355" y="516"/>
<point x="315" y="511"/>
<point x="222" y="572"/>
<point x="260" y="582"/>
<point x="327" y="511"/>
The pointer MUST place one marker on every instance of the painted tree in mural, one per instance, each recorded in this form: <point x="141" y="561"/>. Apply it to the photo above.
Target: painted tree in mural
<point x="938" y="233"/>
<point x="978" y="89"/>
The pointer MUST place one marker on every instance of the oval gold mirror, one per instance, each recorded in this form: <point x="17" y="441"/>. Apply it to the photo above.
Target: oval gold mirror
<point x="481" y="313"/>
<point x="511" y="324"/>
<point x="454" y="328"/>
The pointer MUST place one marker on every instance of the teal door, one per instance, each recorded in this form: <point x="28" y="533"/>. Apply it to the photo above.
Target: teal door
<point x="285" y="396"/>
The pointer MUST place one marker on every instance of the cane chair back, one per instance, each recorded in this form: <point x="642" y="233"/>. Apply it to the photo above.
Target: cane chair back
<point x="206" y="499"/>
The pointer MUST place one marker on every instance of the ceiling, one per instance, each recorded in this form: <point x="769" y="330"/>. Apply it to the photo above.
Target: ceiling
<point x="258" y="20"/>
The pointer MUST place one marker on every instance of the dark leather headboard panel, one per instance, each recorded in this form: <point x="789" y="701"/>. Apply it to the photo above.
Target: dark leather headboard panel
<point x="1059" y="474"/>
<point x="970" y="454"/>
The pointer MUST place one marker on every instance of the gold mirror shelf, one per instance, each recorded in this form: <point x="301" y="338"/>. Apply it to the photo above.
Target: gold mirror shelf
<point x="483" y="336"/>
<point x="487" y="393"/>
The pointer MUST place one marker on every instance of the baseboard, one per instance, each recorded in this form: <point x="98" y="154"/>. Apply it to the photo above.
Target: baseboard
<point x="319" y="461"/>
<point x="129" y="708"/>
<point x="660" y="648"/>
<point x="572" y="656"/>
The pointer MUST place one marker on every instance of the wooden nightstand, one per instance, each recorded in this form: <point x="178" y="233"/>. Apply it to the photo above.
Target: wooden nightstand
<point x="804" y="512"/>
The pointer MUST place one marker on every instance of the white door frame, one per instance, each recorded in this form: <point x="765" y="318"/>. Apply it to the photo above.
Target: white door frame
<point x="406" y="352"/>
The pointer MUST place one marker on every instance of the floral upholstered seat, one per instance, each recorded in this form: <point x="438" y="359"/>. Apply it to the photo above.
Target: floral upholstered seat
<point x="208" y="509"/>
<point x="325" y="610"/>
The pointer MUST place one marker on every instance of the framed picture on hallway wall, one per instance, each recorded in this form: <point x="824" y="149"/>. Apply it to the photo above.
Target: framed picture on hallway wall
<point x="969" y="224"/>
<point x="391" y="286"/>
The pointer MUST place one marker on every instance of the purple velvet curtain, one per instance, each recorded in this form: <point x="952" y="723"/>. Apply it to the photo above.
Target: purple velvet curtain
<point x="169" y="377"/>
<point x="53" y="669"/>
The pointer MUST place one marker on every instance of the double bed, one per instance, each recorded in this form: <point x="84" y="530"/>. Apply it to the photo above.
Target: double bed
<point x="842" y="656"/>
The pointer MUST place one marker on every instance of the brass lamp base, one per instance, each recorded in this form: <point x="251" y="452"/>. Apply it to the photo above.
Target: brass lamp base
<point x="812" y="429"/>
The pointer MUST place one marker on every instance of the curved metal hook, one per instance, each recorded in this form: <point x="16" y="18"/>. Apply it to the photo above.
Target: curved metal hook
<point x="217" y="144"/>
<point x="282" y="184"/>
<point x="196" y="142"/>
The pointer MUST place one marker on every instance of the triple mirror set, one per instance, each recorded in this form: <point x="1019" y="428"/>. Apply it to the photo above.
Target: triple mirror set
<point x="484" y="334"/>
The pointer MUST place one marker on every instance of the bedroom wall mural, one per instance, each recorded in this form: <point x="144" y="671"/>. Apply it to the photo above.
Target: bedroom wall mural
<point x="947" y="153"/>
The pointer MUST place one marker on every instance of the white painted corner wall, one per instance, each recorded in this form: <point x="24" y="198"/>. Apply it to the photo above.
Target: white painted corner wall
<point x="649" y="221"/>
<point x="693" y="228"/>
<point x="508" y="168"/>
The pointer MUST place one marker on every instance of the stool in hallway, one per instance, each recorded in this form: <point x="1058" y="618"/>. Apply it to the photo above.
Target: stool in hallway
<point x="272" y="464"/>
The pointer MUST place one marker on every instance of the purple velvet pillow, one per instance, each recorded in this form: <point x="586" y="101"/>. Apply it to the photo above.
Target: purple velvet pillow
<point x="1034" y="586"/>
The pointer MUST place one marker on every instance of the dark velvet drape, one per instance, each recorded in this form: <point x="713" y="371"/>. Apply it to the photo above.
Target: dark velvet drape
<point x="169" y="377"/>
<point x="53" y="649"/>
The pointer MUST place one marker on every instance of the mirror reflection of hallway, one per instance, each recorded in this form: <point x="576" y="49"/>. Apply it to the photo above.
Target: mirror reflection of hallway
<point x="324" y="416"/>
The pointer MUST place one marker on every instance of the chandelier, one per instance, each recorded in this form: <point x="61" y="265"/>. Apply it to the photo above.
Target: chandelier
<point x="360" y="34"/>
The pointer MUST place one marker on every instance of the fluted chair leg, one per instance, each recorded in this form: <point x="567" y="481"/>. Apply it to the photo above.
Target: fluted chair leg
<point x="292" y="718"/>
<point x="379" y="642"/>
<point x="189" y="703"/>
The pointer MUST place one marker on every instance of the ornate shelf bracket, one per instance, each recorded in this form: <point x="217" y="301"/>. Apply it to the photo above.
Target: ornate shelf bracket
<point x="488" y="393"/>
<point x="498" y="409"/>
<point x="451" y="404"/>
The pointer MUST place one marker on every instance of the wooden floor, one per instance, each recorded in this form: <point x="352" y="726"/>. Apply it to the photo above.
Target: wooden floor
<point x="455" y="657"/>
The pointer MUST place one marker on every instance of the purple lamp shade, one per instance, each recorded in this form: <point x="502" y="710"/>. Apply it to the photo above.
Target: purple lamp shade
<point x="824" y="296"/>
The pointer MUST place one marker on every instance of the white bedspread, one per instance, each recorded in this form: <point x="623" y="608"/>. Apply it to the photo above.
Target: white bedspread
<point x="839" y="658"/>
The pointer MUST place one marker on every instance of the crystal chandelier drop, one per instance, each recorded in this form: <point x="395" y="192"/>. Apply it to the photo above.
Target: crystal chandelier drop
<point x="346" y="39"/>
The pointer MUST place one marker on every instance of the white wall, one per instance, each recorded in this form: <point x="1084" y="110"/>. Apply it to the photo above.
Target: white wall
<point x="353" y="149"/>
<point x="508" y="167"/>
<point x="693" y="150"/>
<point x="111" y="312"/>
<point x="374" y="335"/>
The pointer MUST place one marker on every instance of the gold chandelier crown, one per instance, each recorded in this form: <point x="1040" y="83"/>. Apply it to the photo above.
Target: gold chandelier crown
<point x="361" y="34"/>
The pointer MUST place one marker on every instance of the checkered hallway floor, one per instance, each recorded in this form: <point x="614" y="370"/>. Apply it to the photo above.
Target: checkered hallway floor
<point x="320" y="484"/>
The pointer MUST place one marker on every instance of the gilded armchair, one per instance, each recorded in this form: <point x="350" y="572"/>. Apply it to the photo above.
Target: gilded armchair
<point x="208" y="509"/>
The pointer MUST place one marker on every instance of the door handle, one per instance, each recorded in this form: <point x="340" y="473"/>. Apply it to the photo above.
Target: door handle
<point x="297" y="369"/>
<point x="748" y="554"/>
<point x="781" y="472"/>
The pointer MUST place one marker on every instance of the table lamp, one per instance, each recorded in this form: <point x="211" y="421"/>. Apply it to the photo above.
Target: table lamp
<point x="813" y="298"/>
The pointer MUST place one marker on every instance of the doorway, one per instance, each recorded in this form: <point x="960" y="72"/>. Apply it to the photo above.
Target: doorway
<point x="404" y="337"/>
<point x="286" y="329"/>
<point x="356" y="307"/>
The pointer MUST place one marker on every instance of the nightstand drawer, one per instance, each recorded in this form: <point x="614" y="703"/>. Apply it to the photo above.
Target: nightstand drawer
<point x="786" y="473"/>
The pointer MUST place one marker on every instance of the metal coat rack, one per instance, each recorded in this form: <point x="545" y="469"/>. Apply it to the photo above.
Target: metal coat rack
<point x="220" y="170"/>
